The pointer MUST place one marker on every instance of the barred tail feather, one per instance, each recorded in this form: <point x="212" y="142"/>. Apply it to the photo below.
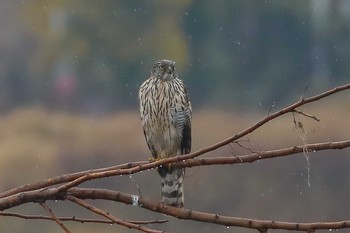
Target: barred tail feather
<point x="172" y="192"/>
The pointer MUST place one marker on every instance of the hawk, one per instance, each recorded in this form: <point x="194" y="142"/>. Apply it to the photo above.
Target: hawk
<point x="166" y="111"/>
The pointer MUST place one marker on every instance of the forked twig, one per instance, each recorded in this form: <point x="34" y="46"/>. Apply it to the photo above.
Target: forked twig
<point x="187" y="214"/>
<point x="54" y="193"/>
<point x="109" y="216"/>
<point x="244" y="147"/>
<point x="46" y="190"/>
<point x="307" y="115"/>
<point x="134" y="167"/>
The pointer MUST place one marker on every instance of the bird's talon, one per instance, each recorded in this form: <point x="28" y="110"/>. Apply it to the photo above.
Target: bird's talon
<point x="152" y="159"/>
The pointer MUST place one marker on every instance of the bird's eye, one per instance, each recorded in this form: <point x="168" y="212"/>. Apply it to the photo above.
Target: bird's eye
<point x="161" y="67"/>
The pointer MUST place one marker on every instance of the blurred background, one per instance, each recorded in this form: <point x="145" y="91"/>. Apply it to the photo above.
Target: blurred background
<point x="69" y="78"/>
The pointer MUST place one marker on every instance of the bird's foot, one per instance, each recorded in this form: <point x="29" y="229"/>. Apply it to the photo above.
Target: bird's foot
<point x="152" y="159"/>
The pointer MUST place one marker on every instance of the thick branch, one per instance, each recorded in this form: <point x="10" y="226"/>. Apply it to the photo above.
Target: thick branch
<point x="42" y="191"/>
<point x="58" y="193"/>
<point x="235" y="159"/>
<point x="84" y="193"/>
<point x="65" y="178"/>
<point x="264" y="154"/>
<point x="266" y="119"/>
<point x="139" y="166"/>
<point x="205" y="217"/>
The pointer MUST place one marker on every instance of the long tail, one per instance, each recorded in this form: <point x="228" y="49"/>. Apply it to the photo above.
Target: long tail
<point x="172" y="192"/>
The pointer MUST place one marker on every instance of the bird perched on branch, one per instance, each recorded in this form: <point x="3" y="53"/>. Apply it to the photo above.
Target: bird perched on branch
<point x="166" y="111"/>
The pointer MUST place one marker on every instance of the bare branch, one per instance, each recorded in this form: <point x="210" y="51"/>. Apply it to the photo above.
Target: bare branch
<point x="205" y="217"/>
<point x="128" y="171"/>
<point x="54" y="217"/>
<point x="55" y="193"/>
<point x="64" y="187"/>
<point x="65" y="178"/>
<point x="58" y="193"/>
<point x="243" y="146"/>
<point x="80" y="220"/>
<point x="109" y="216"/>
<point x="139" y="166"/>
<point x="264" y="120"/>
<point x="307" y="115"/>
<point x="264" y="154"/>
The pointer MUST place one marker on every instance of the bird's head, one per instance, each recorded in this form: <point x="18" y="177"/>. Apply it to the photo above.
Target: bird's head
<point x="164" y="70"/>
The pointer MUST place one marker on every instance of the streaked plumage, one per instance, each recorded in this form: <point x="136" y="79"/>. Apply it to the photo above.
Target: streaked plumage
<point x="165" y="112"/>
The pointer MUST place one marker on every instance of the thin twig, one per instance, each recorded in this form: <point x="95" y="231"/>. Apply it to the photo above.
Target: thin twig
<point x="232" y="152"/>
<point x="271" y="107"/>
<point x="244" y="147"/>
<point x="55" y="193"/>
<point x="111" y="217"/>
<point x="77" y="178"/>
<point x="80" y="220"/>
<point x="54" y="217"/>
<point x="305" y="90"/>
<point x="51" y="193"/>
<point x="306" y="114"/>
<point x="42" y="190"/>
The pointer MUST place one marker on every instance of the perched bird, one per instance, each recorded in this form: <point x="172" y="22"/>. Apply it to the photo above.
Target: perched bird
<point x="166" y="113"/>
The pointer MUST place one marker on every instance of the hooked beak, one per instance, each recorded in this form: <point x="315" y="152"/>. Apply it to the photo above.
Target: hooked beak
<point x="169" y="70"/>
